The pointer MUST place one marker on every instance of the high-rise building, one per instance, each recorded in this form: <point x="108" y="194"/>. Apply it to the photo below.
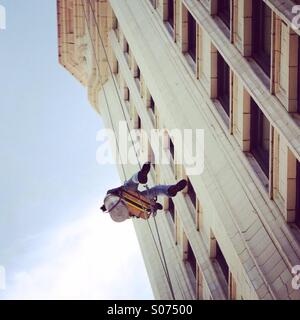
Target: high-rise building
<point x="230" y="68"/>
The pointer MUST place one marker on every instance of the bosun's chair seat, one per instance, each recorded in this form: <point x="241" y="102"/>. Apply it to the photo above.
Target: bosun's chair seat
<point x="137" y="204"/>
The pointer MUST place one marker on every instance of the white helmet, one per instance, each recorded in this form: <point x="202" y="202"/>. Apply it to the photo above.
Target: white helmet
<point x="116" y="207"/>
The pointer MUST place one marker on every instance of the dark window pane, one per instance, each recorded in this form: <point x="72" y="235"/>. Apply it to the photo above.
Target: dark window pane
<point x="152" y="105"/>
<point x="192" y="260"/>
<point x="297" y="221"/>
<point x="261" y="35"/>
<point x="139" y="124"/>
<point x="260" y="137"/>
<point x="126" y="47"/>
<point x="192" y="36"/>
<point x="191" y="193"/>
<point x="224" y="11"/>
<point x="299" y="74"/>
<point x="128" y="94"/>
<point x="138" y="73"/>
<point x="171" y="12"/>
<point x="172" y="209"/>
<point x="223" y="83"/>
<point x="222" y="262"/>
<point x="172" y="149"/>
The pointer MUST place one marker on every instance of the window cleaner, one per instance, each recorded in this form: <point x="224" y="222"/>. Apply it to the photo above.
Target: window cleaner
<point x="127" y="201"/>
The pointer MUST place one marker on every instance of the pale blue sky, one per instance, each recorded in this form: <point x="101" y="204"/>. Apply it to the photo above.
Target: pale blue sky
<point x="50" y="182"/>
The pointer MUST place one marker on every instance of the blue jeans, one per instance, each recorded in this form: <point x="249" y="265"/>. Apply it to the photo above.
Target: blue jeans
<point x="159" y="190"/>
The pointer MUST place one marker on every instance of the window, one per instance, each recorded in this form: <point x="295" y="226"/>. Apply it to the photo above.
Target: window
<point x="152" y="108"/>
<point x="297" y="219"/>
<point x="172" y="209"/>
<point x="153" y="2"/>
<point x="127" y="52"/>
<point x="222" y="262"/>
<point x="191" y="260"/>
<point x="192" y="264"/>
<point x="260" y="137"/>
<point x="261" y="35"/>
<point x="223" y="83"/>
<point x="139" y="123"/>
<point x="115" y="65"/>
<point x="224" y="11"/>
<point x="298" y="74"/>
<point x="192" y="36"/>
<point x="172" y="149"/>
<point x="191" y="193"/>
<point x="137" y="74"/>
<point x="152" y="105"/>
<point x="171" y="13"/>
<point x="115" y="27"/>
<point x="128" y="95"/>
<point x="114" y="21"/>
<point x="126" y="47"/>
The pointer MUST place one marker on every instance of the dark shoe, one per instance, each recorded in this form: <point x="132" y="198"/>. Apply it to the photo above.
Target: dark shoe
<point x="142" y="175"/>
<point x="173" y="190"/>
<point x="158" y="206"/>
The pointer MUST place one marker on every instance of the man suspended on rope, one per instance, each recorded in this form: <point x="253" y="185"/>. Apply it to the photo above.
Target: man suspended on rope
<point x="128" y="202"/>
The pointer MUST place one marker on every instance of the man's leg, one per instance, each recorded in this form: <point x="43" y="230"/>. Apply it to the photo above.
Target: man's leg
<point x="165" y="190"/>
<point x="159" y="190"/>
<point x="132" y="183"/>
<point x="140" y="177"/>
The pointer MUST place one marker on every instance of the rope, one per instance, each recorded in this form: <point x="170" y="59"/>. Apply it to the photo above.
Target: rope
<point x="162" y="258"/>
<point x="161" y="251"/>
